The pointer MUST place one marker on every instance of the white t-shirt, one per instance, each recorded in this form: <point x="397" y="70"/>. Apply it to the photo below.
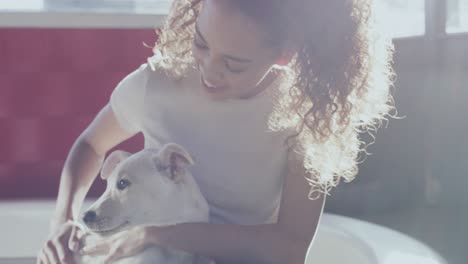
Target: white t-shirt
<point x="239" y="163"/>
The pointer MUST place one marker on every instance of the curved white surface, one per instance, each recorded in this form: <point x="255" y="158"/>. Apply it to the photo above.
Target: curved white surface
<point x="333" y="246"/>
<point x="83" y="13"/>
<point x="366" y="242"/>
<point x="24" y="227"/>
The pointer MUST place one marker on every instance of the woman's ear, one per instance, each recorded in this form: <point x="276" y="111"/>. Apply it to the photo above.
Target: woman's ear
<point x="285" y="57"/>
<point x="112" y="161"/>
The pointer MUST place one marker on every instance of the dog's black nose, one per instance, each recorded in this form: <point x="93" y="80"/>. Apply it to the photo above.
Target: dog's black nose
<point x="89" y="217"/>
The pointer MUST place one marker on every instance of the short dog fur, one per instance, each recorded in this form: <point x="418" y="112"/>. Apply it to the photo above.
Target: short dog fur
<point x="150" y="187"/>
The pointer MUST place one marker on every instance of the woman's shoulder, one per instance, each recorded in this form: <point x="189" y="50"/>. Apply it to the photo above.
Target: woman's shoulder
<point x="146" y="74"/>
<point x="162" y="79"/>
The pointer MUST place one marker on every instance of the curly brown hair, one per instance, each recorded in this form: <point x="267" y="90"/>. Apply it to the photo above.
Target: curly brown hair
<point x="338" y="81"/>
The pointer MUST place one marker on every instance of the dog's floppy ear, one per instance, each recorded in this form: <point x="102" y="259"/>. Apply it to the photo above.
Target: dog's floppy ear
<point x="112" y="161"/>
<point x="175" y="158"/>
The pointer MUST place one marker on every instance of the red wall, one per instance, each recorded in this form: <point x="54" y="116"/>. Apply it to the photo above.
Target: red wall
<point x="52" y="84"/>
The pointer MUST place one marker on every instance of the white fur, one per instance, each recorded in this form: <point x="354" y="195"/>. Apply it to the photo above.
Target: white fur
<point x="162" y="192"/>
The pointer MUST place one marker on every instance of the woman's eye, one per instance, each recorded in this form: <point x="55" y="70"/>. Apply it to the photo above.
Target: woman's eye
<point x="232" y="69"/>
<point x="122" y="184"/>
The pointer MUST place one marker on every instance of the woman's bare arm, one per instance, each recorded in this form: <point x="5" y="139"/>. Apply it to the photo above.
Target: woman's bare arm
<point x="84" y="161"/>
<point x="284" y="242"/>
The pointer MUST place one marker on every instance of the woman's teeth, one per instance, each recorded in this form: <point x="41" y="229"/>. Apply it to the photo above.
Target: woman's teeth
<point x="209" y="84"/>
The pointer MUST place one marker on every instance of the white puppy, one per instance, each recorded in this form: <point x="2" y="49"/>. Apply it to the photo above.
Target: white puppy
<point x="149" y="187"/>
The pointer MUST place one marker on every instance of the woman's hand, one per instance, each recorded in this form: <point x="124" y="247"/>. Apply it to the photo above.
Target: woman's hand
<point x="123" y="244"/>
<point x="128" y="243"/>
<point x="59" y="246"/>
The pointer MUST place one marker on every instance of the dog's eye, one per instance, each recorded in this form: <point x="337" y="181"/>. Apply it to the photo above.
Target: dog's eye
<point x="122" y="184"/>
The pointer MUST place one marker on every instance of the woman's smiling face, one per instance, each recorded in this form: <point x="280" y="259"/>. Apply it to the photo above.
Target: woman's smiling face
<point x="231" y="52"/>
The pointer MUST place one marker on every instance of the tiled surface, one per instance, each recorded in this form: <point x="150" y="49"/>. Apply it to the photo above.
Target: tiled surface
<point x="73" y="50"/>
<point x="52" y="84"/>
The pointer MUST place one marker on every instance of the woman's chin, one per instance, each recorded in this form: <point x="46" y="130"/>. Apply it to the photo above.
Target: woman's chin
<point x="217" y="97"/>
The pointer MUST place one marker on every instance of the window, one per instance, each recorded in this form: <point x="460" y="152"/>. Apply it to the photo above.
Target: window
<point x="402" y="18"/>
<point x="22" y="5"/>
<point x="457" y="16"/>
<point x="134" y="6"/>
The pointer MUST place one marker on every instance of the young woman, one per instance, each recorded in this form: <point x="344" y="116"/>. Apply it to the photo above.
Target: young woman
<point x="269" y="96"/>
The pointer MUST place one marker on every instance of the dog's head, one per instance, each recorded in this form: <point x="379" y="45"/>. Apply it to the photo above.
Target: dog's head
<point x="148" y="187"/>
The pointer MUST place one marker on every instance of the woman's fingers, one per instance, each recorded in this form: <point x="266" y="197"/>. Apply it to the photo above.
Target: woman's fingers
<point x="51" y="253"/>
<point x="76" y="235"/>
<point x="95" y="249"/>
<point x="73" y="241"/>
<point x="56" y="248"/>
<point x="113" y="255"/>
<point x="62" y="253"/>
<point x="42" y="258"/>
<point x="80" y="233"/>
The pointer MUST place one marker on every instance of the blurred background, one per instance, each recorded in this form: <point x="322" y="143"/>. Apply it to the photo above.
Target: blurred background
<point x="59" y="62"/>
